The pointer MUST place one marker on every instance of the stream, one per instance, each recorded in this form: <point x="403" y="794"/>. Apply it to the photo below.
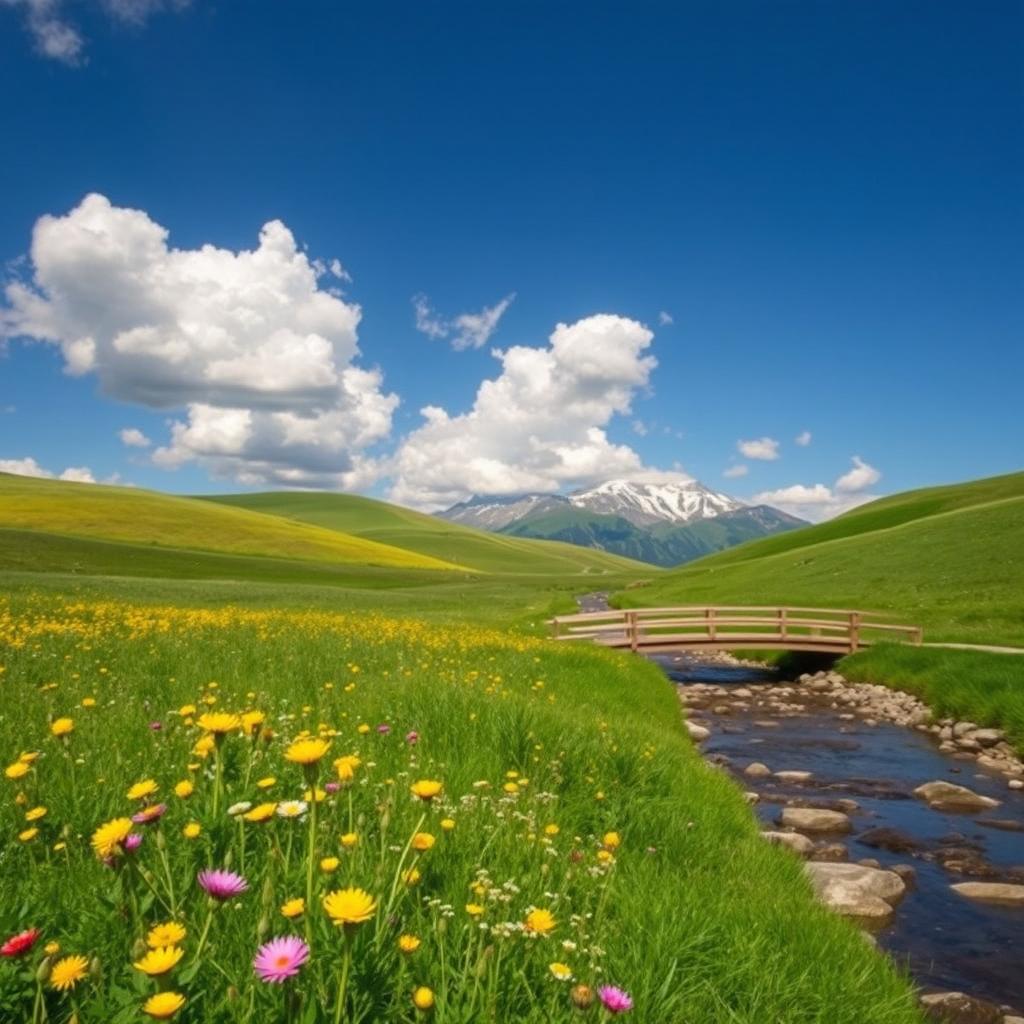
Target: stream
<point x="869" y="768"/>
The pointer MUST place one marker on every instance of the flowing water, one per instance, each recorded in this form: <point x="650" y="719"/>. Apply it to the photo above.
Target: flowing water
<point x="947" y="941"/>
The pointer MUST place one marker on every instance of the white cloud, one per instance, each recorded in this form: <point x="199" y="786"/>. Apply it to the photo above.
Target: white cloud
<point x="538" y="425"/>
<point x="57" y="38"/>
<point x="665" y="319"/>
<point x="467" y="330"/>
<point x="260" y="357"/>
<point x="803" y="439"/>
<point x="817" y="502"/>
<point x="29" y="467"/>
<point x="134" y="438"/>
<point x="732" y="472"/>
<point x="859" y="478"/>
<point x="639" y="428"/>
<point x="762" y="448"/>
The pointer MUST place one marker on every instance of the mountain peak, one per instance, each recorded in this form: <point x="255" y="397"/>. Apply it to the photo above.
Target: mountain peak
<point x="646" y="502"/>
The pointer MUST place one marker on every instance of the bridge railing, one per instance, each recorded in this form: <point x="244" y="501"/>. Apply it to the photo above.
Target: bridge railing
<point x="733" y="626"/>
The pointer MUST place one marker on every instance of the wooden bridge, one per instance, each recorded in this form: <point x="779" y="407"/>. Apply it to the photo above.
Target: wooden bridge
<point x="725" y="628"/>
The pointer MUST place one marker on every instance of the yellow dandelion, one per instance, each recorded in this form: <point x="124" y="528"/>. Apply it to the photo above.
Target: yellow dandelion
<point x="447" y="824"/>
<point x="266" y="782"/>
<point x="349" y="839"/>
<point x="163" y="1005"/>
<point x="551" y="830"/>
<point x="186" y="710"/>
<point x="560" y="972"/>
<point x="107" y="839"/>
<point x="611" y="841"/>
<point x="192" y="830"/>
<point x="329" y="865"/>
<point x="68" y="972"/>
<point x="18" y="770"/>
<point x="293" y="908"/>
<point x="204" y="745"/>
<point x="408" y="943"/>
<point x="184" y="789"/>
<point x="29" y="757"/>
<point x="474" y="909"/>
<point x="159" y="960"/>
<point x="426" y="789"/>
<point x="350" y="906"/>
<point x="88" y="702"/>
<point x="539" y="922"/>
<point x="28" y="834"/>
<point x="422" y="841"/>
<point x="62" y="727"/>
<point x="169" y="934"/>
<point x="51" y="948"/>
<point x="219" y="722"/>
<point x="261" y="812"/>
<point x="346" y="767"/>
<point x="411" y="877"/>
<point x="423" y="998"/>
<point x="142" y="790"/>
<point x="252" y="721"/>
<point x="306" y="752"/>
<point x="35" y="814"/>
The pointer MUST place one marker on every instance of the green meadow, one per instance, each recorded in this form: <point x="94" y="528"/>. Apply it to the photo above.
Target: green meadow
<point x="579" y="841"/>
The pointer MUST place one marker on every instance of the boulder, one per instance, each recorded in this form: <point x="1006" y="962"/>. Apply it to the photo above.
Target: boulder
<point x="987" y="737"/>
<point x="890" y="839"/>
<point x="756" y="770"/>
<point x="947" y="796"/>
<point x="1003" y="893"/>
<point x="697" y="732"/>
<point x="855" y="890"/>
<point x="792" y="840"/>
<point x="957" y="1008"/>
<point x="813" y="819"/>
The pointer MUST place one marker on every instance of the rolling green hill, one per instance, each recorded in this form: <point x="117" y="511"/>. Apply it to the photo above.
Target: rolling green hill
<point x="948" y="558"/>
<point x="131" y="516"/>
<point x="426" y="535"/>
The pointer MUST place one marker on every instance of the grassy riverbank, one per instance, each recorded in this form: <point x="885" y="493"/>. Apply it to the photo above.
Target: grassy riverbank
<point x="692" y="913"/>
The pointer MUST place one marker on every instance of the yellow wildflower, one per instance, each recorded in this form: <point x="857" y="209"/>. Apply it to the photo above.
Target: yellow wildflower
<point x="293" y="908"/>
<point x="68" y="972"/>
<point x="350" y="906"/>
<point x="163" y="1005"/>
<point x="159" y="960"/>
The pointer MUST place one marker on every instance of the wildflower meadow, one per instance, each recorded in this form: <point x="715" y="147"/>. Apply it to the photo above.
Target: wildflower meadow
<point x="233" y="815"/>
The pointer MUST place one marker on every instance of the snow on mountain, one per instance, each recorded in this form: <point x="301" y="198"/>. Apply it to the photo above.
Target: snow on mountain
<point x="645" y="504"/>
<point x="495" y="512"/>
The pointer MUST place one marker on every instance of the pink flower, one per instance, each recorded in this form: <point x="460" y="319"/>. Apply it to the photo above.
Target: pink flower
<point x="133" y="842"/>
<point x="156" y="726"/>
<point x="615" y="1000"/>
<point x="222" y="885"/>
<point x="280" y="959"/>
<point x="412" y="738"/>
<point x="332" y="787"/>
<point x="148" y="815"/>
<point x="383" y="728"/>
<point x="20" y="943"/>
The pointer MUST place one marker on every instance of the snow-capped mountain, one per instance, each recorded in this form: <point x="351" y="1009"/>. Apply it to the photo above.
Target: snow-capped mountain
<point x="496" y="512"/>
<point x="661" y="523"/>
<point x="644" y="504"/>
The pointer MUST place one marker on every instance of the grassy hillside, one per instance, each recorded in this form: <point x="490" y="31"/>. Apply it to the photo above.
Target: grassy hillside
<point x="597" y="811"/>
<point x="134" y="516"/>
<point x="948" y="558"/>
<point x="426" y="535"/>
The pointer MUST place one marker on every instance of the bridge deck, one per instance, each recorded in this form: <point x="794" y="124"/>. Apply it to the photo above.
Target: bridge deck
<point x="735" y="627"/>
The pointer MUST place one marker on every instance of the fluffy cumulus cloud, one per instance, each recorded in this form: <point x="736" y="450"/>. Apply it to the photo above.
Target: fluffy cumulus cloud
<point x="56" y="36"/>
<point x="258" y="354"/>
<point x="29" y="467"/>
<point x="817" y="501"/>
<point x="467" y="330"/>
<point x="537" y="426"/>
<point x="762" y="448"/>
<point x="134" y="438"/>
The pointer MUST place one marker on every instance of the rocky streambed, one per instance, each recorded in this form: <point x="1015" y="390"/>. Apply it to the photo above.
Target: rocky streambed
<point x="912" y="828"/>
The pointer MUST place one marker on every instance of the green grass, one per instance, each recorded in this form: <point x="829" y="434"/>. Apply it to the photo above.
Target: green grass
<point x="134" y="516"/>
<point x="930" y="558"/>
<point x="984" y="688"/>
<point x="427" y="535"/>
<point x="698" y="918"/>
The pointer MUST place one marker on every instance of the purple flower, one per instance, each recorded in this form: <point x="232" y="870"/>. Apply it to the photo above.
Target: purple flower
<point x="156" y="726"/>
<point x="383" y="728"/>
<point x="280" y="959"/>
<point x="412" y="738"/>
<point x="148" y="815"/>
<point x="133" y="842"/>
<point x="222" y="885"/>
<point x="332" y="787"/>
<point x="615" y="1000"/>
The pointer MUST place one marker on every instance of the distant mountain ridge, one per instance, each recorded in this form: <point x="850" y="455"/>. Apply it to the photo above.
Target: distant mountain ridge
<point x="664" y="523"/>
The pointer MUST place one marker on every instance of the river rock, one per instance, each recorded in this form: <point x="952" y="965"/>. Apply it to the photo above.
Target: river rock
<point x="962" y="728"/>
<point x="697" y="732"/>
<point x="947" y="796"/>
<point x="891" y="839"/>
<point x="987" y="737"/>
<point x="794" y="776"/>
<point x="1003" y="893"/>
<point x="813" y="819"/>
<point x="854" y="890"/>
<point x="957" y="1008"/>
<point x="832" y="852"/>
<point x="792" y="840"/>
<point x="1016" y="784"/>
<point x="756" y="770"/>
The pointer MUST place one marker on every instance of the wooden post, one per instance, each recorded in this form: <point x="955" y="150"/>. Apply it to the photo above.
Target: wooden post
<point x="918" y="636"/>
<point x="782" y="623"/>
<point x="632" y="630"/>
<point x="854" y="631"/>
<point x="709" y="614"/>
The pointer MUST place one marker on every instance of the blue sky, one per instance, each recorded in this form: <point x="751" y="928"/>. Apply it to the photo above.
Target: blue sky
<point x="825" y="199"/>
